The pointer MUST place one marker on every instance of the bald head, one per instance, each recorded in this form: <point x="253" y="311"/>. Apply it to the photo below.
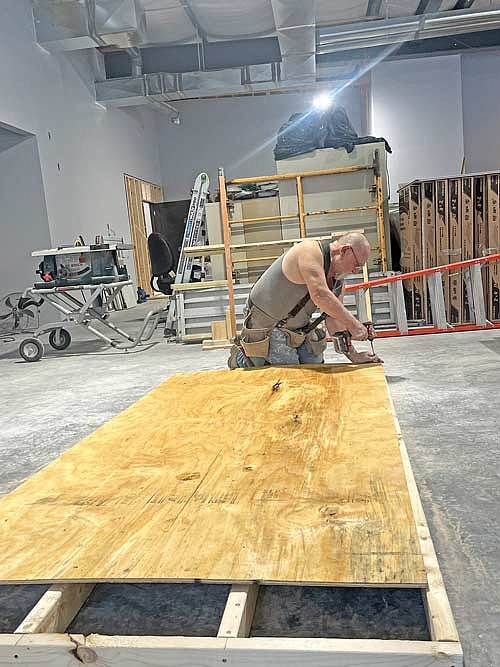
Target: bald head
<point x="349" y="252"/>
<point x="357" y="241"/>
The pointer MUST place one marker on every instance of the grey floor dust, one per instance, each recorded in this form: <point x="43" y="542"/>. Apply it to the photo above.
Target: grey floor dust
<point x="446" y="392"/>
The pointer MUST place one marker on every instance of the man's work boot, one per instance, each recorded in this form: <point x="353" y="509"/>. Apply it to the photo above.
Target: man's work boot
<point x="234" y="358"/>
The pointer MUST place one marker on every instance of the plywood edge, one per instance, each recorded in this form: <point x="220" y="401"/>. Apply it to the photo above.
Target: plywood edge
<point x="62" y="650"/>
<point x="439" y="614"/>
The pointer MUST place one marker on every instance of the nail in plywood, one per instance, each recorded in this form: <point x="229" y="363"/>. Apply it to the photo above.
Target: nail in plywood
<point x="274" y="475"/>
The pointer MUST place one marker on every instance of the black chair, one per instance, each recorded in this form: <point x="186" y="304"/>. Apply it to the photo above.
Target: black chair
<point x="162" y="264"/>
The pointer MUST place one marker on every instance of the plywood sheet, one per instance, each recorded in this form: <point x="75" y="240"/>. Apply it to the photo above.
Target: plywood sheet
<point x="272" y="475"/>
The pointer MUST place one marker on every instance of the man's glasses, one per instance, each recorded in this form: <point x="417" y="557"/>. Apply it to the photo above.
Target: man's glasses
<point x="359" y="265"/>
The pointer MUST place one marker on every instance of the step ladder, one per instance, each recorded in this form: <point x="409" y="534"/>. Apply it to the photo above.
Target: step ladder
<point x="474" y="290"/>
<point x="192" y="237"/>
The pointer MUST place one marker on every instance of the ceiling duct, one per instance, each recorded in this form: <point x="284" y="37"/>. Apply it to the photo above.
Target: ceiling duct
<point x="69" y="25"/>
<point x="295" y="22"/>
<point x="397" y="30"/>
<point x="233" y="82"/>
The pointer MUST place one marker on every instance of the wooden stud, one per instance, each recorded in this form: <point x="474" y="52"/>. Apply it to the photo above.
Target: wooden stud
<point x="238" y="613"/>
<point x="227" y="250"/>
<point x="56" y="609"/>
<point x="131" y="651"/>
<point x="218" y="249"/>
<point x="227" y="315"/>
<point x="380" y="223"/>
<point x="267" y="218"/>
<point x="209" y="284"/>
<point x="216" y="344"/>
<point x="342" y="210"/>
<point x="256" y="259"/>
<point x="300" y="201"/>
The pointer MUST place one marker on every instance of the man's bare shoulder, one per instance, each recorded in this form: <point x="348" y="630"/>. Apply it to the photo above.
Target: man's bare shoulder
<point x="302" y="256"/>
<point x="307" y="248"/>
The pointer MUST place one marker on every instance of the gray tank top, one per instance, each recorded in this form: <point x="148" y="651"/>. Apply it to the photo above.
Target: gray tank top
<point x="273" y="296"/>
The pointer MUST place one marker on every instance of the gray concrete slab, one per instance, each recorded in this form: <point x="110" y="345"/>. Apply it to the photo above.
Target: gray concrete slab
<point x="445" y="389"/>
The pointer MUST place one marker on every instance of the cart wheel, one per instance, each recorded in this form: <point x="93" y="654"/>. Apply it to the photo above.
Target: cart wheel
<point x="31" y="349"/>
<point x="64" y="339"/>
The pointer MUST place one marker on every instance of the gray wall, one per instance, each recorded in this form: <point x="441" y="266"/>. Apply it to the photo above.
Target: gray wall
<point x="481" y="99"/>
<point x="236" y="133"/>
<point x="23" y="214"/>
<point x="417" y="107"/>
<point x="83" y="148"/>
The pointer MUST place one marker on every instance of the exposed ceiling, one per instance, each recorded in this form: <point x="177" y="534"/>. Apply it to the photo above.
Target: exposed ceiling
<point x="165" y="50"/>
<point x="186" y="21"/>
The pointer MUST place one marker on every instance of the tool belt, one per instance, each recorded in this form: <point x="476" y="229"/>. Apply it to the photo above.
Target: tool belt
<point x="255" y="341"/>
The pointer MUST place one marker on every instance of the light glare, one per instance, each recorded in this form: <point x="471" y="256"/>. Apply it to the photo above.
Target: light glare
<point x="322" y="102"/>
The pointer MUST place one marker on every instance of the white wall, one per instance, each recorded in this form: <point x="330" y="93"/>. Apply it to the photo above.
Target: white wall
<point x="238" y="134"/>
<point x="417" y="107"/>
<point x="22" y="208"/>
<point x="83" y="161"/>
<point x="481" y="100"/>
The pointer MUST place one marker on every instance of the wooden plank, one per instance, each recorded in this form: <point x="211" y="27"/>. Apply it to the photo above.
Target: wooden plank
<point x="439" y="615"/>
<point x="216" y="344"/>
<point x="56" y="608"/>
<point x="350" y="209"/>
<point x="342" y="653"/>
<point x="266" y="218"/>
<point x="218" y="249"/>
<point x="219" y="332"/>
<point x="209" y="284"/>
<point x="302" y="174"/>
<point x="300" y="202"/>
<point x="226" y="232"/>
<point x="59" y="651"/>
<point x="287" y="484"/>
<point x="239" y="611"/>
<point x="138" y="191"/>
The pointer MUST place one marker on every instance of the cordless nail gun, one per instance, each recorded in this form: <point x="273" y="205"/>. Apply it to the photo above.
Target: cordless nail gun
<point x="342" y="339"/>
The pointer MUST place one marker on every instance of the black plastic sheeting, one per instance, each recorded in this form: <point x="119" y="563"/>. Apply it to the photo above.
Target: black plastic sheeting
<point x="303" y="133"/>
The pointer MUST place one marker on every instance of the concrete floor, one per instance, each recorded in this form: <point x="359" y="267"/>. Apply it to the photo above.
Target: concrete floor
<point x="445" y="389"/>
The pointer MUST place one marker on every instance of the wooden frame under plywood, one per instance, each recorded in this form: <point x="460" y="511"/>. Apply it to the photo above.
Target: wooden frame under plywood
<point x="138" y="192"/>
<point x="41" y="638"/>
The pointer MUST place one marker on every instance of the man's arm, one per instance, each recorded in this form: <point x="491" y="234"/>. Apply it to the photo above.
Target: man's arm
<point x="354" y="356"/>
<point x="310" y="263"/>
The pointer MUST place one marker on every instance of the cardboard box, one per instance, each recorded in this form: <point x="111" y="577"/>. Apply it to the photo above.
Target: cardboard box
<point x="467" y="217"/>
<point x="415" y="217"/>
<point x="443" y="237"/>
<point x="428" y="196"/>
<point x="481" y="228"/>
<point x="455" y="248"/>
<point x="493" y="227"/>
<point x="406" y="247"/>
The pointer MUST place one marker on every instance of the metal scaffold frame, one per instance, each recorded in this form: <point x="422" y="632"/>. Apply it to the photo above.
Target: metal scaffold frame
<point x="301" y="215"/>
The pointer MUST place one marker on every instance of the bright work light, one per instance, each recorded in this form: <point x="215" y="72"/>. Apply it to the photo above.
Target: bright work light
<point x="323" y="101"/>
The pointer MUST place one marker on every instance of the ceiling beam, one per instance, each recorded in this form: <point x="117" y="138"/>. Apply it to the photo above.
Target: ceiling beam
<point x="428" y="6"/>
<point x="373" y="8"/>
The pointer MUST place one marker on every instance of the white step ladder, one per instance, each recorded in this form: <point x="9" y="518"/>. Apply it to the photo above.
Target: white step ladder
<point x="192" y="237"/>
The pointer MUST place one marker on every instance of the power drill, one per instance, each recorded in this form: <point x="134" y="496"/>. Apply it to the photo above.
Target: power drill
<point x="342" y="339"/>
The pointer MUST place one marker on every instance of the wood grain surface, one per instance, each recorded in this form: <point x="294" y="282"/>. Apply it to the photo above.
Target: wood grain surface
<point x="286" y="475"/>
